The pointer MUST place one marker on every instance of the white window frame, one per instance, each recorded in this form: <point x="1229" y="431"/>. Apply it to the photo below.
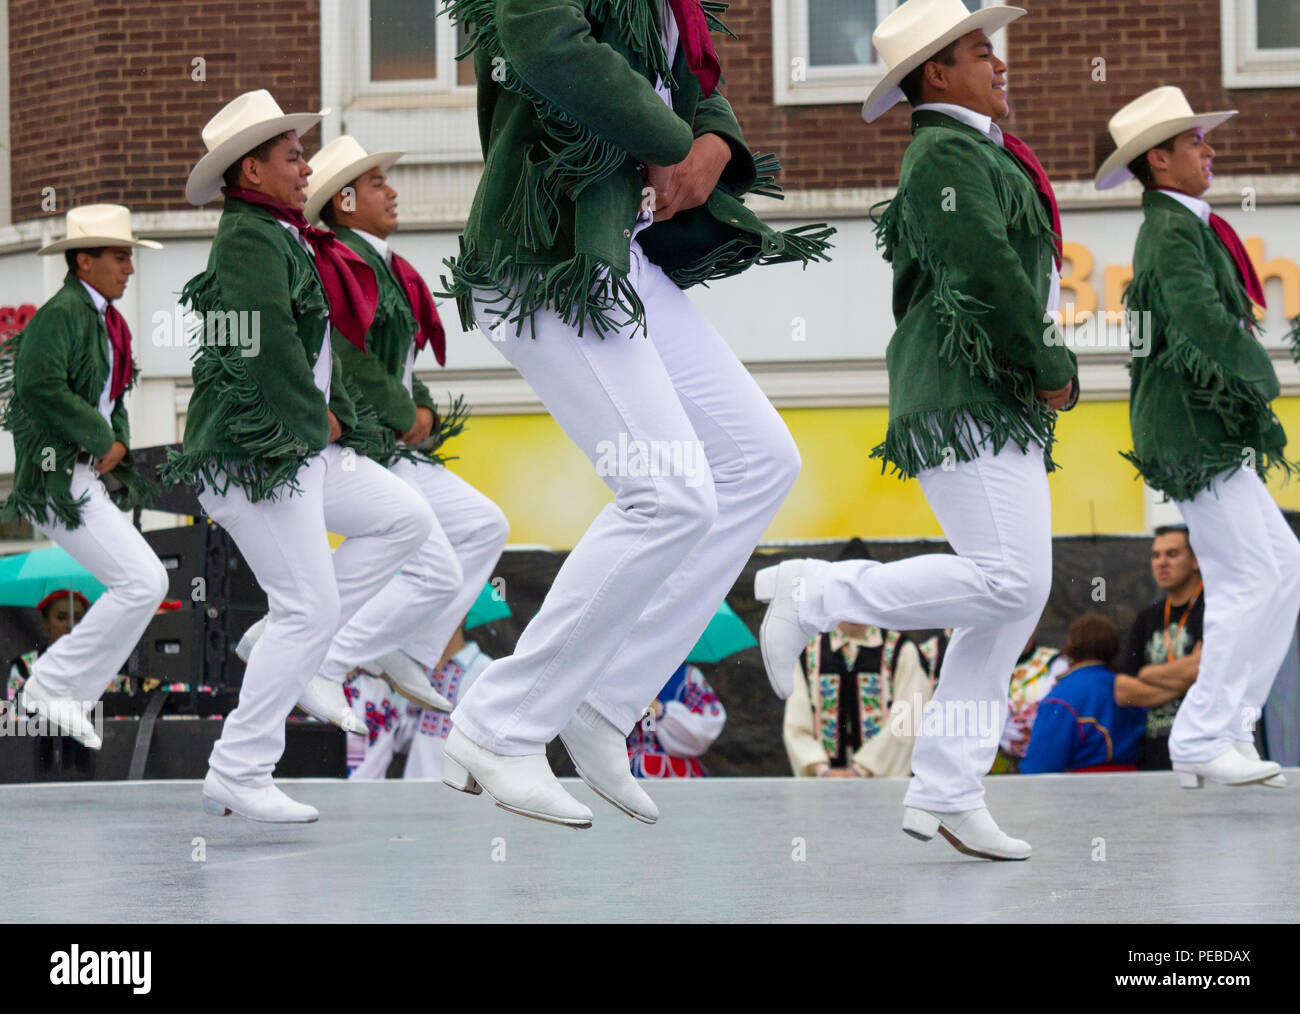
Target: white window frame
<point x="446" y="81"/>
<point x="434" y="120"/>
<point x="1245" y="65"/>
<point x="826" y="85"/>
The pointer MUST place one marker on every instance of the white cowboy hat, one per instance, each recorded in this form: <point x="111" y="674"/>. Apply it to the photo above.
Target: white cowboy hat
<point x="240" y="126"/>
<point x="918" y="30"/>
<point x="96" y="225"/>
<point x="338" y="164"/>
<point x="1147" y="121"/>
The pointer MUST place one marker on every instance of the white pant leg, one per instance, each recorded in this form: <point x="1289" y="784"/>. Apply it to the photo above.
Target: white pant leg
<point x="477" y="530"/>
<point x="754" y="463"/>
<point x="420" y="608"/>
<point x="996" y="514"/>
<point x="286" y="546"/>
<point x="83" y="662"/>
<point x="384" y="520"/>
<point x="600" y="392"/>
<point x="1277" y="624"/>
<point x="309" y="590"/>
<point x="1230" y="536"/>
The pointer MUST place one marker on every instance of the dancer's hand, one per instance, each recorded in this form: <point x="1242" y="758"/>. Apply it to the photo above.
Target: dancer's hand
<point x="112" y="459"/>
<point x="419" y="433"/>
<point x="692" y="180"/>
<point x="1058" y="399"/>
<point x="336" y="430"/>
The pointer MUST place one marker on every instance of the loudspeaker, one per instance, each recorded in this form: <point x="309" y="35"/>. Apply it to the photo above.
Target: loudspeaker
<point x="166" y="651"/>
<point x="181" y="551"/>
<point x="179" y="749"/>
<point x="172" y="499"/>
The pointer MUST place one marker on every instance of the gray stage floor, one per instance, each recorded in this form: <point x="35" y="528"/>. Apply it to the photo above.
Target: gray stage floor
<point x="725" y="849"/>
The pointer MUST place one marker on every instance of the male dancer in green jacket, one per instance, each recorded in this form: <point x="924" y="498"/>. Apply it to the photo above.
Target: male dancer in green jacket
<point x="577" y="278"/>
<point x="976" y="374"/>
<point x="68" y="373"/>
<point x="1204" y="431"/>
<point x="262" y="439"/>
<point x="411" y="620"/>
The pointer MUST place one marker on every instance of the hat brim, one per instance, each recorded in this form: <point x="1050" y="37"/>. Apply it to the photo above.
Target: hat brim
<point x="1114" y="170"/>
<point x="340" y="178"/>
<point x="886" y="94"/>
<point x="205" y="182"/>
<point x="92" y="242"/>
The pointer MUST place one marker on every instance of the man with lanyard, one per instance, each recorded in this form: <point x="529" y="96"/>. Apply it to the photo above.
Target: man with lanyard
<point x="262" y="439"/>
<point x="1162" y="650"/>
<point x="68" y="373"/>
<point x="586" y="141"/>
<point x="974" y="238"/>
<point x="408" y="624"/>
<point x="1204" y="431"/>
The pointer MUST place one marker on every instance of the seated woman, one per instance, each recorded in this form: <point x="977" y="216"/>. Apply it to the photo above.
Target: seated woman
<point x="60" y="612"/>
<point x="1079" y="726"/>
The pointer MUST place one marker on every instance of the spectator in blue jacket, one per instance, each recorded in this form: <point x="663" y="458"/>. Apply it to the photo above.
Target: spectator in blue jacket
<point x="1079" y="726"/>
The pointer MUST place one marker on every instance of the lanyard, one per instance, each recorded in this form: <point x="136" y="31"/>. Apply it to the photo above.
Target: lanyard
<point x="1169" y="648"/>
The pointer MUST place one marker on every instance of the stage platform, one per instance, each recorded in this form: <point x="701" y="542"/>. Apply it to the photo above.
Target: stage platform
<point x="1108" y="848"/>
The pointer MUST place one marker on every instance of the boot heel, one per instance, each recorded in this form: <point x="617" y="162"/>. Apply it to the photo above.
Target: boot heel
<point x="211" y="806"/>
<point x="1187" y="780"/>
<point x="919" y="824"/>
<point x="458" y="778"/>
<point x="765" y="584"/>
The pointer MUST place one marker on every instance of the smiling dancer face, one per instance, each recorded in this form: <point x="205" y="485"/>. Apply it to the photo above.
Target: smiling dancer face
<point x="966" y="73"/>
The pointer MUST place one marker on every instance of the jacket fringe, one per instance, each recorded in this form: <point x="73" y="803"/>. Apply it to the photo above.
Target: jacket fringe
<point x="584" y="290"/>
<point x="940" y="438"/>
<point x="270" y="454"/>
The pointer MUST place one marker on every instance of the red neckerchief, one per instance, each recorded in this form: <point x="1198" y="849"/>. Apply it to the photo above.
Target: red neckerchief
<point x="421" y="300"/>
<point x="350" y="285"/>
<point x="119" y="339"/>
<point x="1026" y="157"/>
<point x="1236" y="250"/>
<point x="700" y="54"/>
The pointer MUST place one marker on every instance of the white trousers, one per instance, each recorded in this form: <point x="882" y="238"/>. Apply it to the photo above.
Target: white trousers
<point x="699" y="462"/>
<point x="420" y="608"/>
<point x="82" y="664"/>
<point x="310" y="591"/>
<point x="1250" y="562"/>
<point x="997" y="516"/>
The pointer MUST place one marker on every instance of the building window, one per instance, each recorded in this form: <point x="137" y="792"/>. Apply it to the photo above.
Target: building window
<point x="1261" y="43"/>
<point x="405" y="46"/>
<point x="822" y="50"/>
<point x="390" y="77"/>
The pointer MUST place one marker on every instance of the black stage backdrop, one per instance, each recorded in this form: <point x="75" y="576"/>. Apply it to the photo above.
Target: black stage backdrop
<point x="1108" y="574"/>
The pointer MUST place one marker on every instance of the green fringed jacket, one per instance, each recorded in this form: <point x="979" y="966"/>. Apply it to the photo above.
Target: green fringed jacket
<point x="1199" y="400"/>
<point x="254" y="419"/>
<point x="568" y="117"/>
<point x="971" y="246"/>
<point x="53" y="373"/>
<point x="384" y="409"/>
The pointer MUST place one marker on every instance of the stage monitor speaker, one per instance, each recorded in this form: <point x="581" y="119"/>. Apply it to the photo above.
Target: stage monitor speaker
<point x="181" y="551"/>
<point x="172" y="499"/>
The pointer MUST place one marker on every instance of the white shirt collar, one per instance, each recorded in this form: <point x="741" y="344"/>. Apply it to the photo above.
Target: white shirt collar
<point x="984" y="124"/>
<point x="101" y="304"/>
<point x="1198" y="207"/>
<point x="381" y="245"/>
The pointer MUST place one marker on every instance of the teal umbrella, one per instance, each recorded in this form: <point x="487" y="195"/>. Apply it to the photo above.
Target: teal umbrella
<point x="27" y="578"/>
<point x="725" y="635"/>
<point x="487" y="607"/>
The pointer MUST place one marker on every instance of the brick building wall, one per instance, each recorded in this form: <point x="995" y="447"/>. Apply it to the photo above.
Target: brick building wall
<point x="82" y="112"/>
<point x="102" y="104"/>
<point x="1056" y="105"/>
